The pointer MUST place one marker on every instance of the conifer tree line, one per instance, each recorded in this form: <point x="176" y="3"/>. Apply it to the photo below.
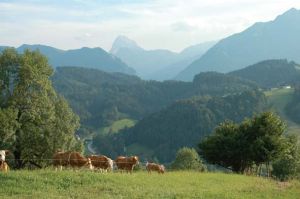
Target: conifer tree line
<point x="34" y="120"/>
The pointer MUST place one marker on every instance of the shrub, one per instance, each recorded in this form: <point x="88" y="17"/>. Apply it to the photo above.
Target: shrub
<point x="188" y="159"/>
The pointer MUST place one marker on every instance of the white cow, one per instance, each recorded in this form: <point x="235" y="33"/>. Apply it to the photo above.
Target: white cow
<point x="3" y="165"/>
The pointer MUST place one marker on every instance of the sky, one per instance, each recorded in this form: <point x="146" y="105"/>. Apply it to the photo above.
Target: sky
<point x="153" y="24"/>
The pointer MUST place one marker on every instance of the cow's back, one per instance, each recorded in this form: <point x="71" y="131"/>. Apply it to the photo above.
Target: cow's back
<point x="61" y="158"/>
<point x="100" y="161"/>
<point x="121" y="162"/>
<point x="126" y="163"/>
<point x="77" y="160"/>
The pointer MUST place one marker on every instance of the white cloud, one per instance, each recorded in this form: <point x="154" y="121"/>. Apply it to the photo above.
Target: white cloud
<point x="167" y="24"/>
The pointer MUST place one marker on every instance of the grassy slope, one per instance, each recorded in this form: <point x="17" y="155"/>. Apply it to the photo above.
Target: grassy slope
<point x="86" y="184"/>
<point x="117" y="126"/>
<point x="279" y="98"/>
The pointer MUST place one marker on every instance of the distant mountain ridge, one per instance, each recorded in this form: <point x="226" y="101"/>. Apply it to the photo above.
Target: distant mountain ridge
<point x="156" y="64"/>
<point x="277" y="39"/>
<point x="84" y="57"/>
<point x="270" y="73"/>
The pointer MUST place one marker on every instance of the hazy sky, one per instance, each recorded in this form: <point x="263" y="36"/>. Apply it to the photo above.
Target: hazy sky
<point x="168" y="24"/>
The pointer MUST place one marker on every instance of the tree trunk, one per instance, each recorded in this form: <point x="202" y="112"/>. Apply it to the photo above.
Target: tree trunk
<point x="17" y="151"/>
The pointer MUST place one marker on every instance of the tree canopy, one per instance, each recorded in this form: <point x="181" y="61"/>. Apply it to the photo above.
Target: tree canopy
<point x="35" y="121"/>
<point x="258" y="140"/>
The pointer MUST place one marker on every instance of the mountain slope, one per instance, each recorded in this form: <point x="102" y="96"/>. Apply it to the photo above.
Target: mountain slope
<point x="143" y="61"/>
<point x="186" y="57"/>
<point x="278" y="39"/>
<point x="100" y="98"/>
<point x="185" y="123"/>
<point x="156" y="64"/>
<point x="270" y="73"/>
<point x="83" y="57"/>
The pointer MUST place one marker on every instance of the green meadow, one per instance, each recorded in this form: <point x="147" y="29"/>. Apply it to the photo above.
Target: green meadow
<point x="87" y="184"/>
<point x="278" y="99"/>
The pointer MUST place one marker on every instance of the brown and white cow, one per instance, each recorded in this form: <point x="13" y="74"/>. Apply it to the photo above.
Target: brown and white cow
<point x="70" y="158"/>
<point x="155" y="167"/>
<point x="3" y="165"/>
<point x="127" y="163"/>
<point x="101" y="162"/>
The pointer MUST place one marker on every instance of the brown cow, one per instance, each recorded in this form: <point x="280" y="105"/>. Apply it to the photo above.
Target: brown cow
<point x="73" y="159"/>
<point x="127" y="163"/>
<point x="101" y="162"/>
<point x="155" y="167"/>
<point x="3" y="165"/>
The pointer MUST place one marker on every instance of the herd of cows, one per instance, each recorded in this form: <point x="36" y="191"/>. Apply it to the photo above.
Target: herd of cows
<point x="93" y="162"/>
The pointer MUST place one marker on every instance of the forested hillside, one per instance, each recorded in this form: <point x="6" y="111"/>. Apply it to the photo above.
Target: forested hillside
<point x="271" y="73"/>
<point x="183" y="123"/>
<point x="293" y="107"/>
<point x="101" y="98"/>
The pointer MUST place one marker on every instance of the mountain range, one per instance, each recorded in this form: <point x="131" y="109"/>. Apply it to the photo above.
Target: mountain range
<point x="156" y="64"/>
<point x="84" y="57"/>
<point x="277" y="39"/>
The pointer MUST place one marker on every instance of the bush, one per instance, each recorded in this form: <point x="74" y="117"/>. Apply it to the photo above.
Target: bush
<point x="188" y="159"/>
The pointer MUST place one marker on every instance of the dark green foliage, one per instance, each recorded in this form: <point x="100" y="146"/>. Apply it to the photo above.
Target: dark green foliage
<point x="35" y="121"/>
<point x="270" y="73"/>
<point x="188" y="159"/>
<point x="101" y="98"/>
<point x="256" y="141"/>
<point x="287" y="166"/>
<point x="186" y="122"/>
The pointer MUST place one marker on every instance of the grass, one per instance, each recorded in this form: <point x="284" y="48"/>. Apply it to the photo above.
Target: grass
<point x="86" y="184"/>
<point x="118" y="125"/>
<point x="278" y="99"/>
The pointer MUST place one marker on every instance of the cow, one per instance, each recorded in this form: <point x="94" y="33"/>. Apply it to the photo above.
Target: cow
<point x="127" y="163"/>
<point x="155" y="167"/>
<point x="72" y="159"/>
<point x="101" y="162"/>
<point x="3" y="165"/>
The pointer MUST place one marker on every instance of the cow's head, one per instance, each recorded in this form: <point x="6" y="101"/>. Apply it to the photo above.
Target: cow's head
<point x="3" y="153"/>
<point x="135" y="159"/>
<point x="162" y="168"/>
<point x="89" y="164"/>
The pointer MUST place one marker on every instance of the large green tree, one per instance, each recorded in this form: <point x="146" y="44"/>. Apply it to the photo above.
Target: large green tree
<point x="255" y="141"/>
<point x="40" y="121"/>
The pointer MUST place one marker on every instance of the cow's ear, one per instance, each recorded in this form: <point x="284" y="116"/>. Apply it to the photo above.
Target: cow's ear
<point x="7" y="152"/>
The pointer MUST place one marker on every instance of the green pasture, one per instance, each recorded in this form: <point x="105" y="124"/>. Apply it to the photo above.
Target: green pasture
<point x="88" y="184"/>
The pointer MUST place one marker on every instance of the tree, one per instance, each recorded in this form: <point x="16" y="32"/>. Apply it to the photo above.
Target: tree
<point x="258" y="140"/>
<point x="188" y="159"/>
<point x="40" y="121"/>
<point x="288" y="164"/>
<point x="265" y="137"/>
<point x="222" y="147"/>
